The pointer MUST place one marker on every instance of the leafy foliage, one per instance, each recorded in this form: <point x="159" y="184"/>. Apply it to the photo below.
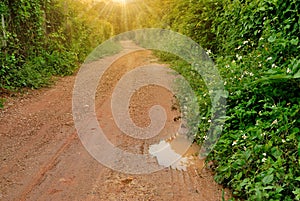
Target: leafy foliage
<point x="255" y="45"/>
<point x="45" y="38"/>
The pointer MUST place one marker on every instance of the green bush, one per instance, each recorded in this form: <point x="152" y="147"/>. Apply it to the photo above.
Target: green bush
<point x="255" y="45"/>
<point x="45" y="38"/>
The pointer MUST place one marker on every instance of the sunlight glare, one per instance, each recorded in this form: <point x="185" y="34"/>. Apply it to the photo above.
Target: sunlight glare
<point x="120" y="1"/>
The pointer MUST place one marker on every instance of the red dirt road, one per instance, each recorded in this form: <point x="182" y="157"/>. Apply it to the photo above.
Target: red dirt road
<point x="41" y="157"/>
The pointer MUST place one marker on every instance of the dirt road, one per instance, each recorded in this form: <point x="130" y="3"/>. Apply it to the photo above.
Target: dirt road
<point x="41" y="157"/>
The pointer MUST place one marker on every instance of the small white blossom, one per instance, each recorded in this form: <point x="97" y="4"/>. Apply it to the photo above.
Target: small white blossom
<point x="264" y="154"/>
<point x="208" y="52"/>
<point x="269" y="58"/>
<point x="205" y="137"/>
<point x="274" y="66"/>
<point x="239" y="47"/>
<point x="209" y="121"/>
<point x="244" y="137"/>
<point x="245" y="42"/>
<point x="288" y="70"/>
<point x="261" y="38"/>
<point x="238" y="57"/>
<point x="234" y="142"/>
<point x="274" y="122"/>
<point x="251" y="74"/>
<point x="225" y="83"/>
<point x="283" y="140"/>
<point x="264" y="18"/>
<point x="227" y="66"/>
<point x="263" y="160"/>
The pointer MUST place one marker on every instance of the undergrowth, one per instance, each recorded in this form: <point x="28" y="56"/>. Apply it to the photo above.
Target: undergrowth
<point x="255" y="45"/>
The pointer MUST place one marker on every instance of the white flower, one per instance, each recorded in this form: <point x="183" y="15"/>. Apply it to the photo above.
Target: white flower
<point x="263" y="160"/>
<point x="259" y="65"/>
<point x="283" y="140"/>
<point x="274" y="122"/>
<point x="227" y="66"/>
<point x="239" y="47"/>
<point x="274" y="65"/>
<point x="209" y="121"/>
<point x="264" y="154"/>
<point x="263" y="134"/>
<point x="245" y="42"/>
<point x="208" y="52"/>
<point x="234" y="142"/>
<point x="205" y="137"/>
<point x="245" y="148"/>
<point x="244" y="137"/>
<point x="288" y="70"/>
<point x="269" y="58"/>
<point x="251" y="74"/>
<point x="261" y="38"/>
<point x="264" y="18"/>
<point x="238" y="57"/>
<point x="225" y="83"/>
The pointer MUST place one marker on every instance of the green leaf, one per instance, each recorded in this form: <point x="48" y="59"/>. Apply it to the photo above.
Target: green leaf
<point x="297" y="75"/>
<point x="297" y="193"/>
<point x="268" y="179"/>
<point x="272" y="39"/>
<point x="294" y="41"/>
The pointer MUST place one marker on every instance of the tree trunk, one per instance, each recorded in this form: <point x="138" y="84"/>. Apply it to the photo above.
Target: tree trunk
<point x="4" y="32"/>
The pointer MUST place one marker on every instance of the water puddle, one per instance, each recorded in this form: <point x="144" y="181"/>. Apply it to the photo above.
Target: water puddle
<point x="176" y="153"/>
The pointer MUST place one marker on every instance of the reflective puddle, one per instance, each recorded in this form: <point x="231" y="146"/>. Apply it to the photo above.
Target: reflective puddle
<point x="176" y="153"/>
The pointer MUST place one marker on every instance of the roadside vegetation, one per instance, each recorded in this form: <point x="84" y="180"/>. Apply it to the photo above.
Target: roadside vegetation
<point x="42" y="38"/>
<point x="255" y="45"/>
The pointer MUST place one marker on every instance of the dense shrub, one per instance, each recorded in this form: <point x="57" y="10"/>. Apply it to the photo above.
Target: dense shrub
<point x="45" y="38"/>
<point x="255" y="45"/>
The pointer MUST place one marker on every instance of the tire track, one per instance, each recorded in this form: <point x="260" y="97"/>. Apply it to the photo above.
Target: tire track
<point x="48" y="166"/>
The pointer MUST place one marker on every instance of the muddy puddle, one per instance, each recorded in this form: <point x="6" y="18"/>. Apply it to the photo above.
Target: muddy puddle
<point x="177" y="153"/>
